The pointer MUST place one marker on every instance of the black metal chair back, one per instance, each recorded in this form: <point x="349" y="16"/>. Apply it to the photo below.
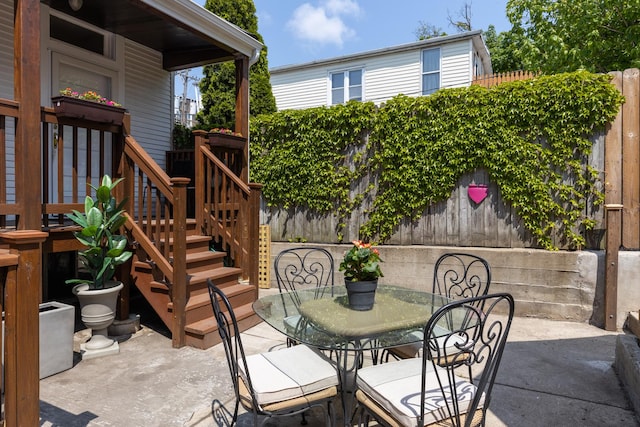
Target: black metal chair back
<point x="476" y="334"/>
<point x="233" y="349"/>
<point x="305" y="267"/>
<point x="461" y="276"/>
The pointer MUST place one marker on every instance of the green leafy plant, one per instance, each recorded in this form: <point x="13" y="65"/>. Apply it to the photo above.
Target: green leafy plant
<point x="100" y="222"/>
<point x="361" y="263"/>
<point x="89" y="95"/>
<point x="182" y="137"/>
<point x="394" y="162"/>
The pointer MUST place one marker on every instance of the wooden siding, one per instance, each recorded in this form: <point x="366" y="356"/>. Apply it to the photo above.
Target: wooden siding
<point x="456" y="64"/>
<point x="148" y="99"/>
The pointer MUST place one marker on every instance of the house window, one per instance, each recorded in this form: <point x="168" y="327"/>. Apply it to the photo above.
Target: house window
<point x="346" y="85"/>
<point x="82" y="36"/>
<point x="430" y="71"/>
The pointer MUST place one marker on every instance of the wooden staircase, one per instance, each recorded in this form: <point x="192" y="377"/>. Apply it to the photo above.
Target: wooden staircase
<point x="202" y="264"/>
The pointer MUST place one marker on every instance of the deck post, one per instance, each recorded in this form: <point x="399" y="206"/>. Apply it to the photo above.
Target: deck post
<point x="242" y="111"/>
<point x="21" y="329"/>
<point x="179" y="286"/>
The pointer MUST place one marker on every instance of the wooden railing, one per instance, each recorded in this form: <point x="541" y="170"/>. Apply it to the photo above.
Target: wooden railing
<point x="157" y="222"/>
<point x="227" y="208"/>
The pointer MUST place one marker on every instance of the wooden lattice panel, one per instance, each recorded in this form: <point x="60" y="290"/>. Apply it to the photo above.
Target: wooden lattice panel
<point x="264" y="257"/>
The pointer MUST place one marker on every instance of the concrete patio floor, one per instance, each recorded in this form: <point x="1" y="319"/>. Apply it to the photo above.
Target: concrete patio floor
<point x="553" y="373"/>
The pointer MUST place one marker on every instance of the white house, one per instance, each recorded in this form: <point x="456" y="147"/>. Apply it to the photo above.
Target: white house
<point x="413" y="69"/>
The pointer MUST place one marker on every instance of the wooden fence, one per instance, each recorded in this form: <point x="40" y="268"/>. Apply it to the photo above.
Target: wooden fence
<point x="622" y="171"/>
<point x="459" y="221"/>
<point x="490" y="80"/>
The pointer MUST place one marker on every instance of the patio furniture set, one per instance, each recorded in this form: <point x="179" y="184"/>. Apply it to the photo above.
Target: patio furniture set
<point x="434" y="354"/>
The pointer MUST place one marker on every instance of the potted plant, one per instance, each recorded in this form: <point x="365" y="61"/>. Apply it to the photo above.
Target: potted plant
<point x="88" y="105"/>
<point x="361" y="266"/>
<point x="100" y="222"/>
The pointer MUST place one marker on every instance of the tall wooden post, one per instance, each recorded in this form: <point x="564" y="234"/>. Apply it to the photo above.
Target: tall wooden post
<point x="242" y="111"/>
<point x="26" y="80"/>
<point x="200" y="140"/>
<point x="614" y="227"/>
<point x="179" y="285"/>
<point x="21" y="329"/>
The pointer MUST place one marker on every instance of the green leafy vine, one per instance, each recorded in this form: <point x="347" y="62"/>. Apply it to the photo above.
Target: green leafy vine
<point x="531" y="136"/>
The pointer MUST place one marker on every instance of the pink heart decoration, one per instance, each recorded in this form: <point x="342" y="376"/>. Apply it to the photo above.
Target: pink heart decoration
<point x="477" y="192"/>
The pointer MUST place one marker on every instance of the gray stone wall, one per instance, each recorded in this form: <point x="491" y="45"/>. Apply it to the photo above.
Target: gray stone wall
<point x="559" y="285"/>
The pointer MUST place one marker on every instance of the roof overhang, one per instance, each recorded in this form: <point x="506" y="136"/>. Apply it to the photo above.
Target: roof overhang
<point x="186" y="34"/>
<point x="475" y="36"/>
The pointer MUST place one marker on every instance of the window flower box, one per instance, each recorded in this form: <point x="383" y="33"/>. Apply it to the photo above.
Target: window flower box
<point x="226" y="139"/>
<point x="69" y="107"/>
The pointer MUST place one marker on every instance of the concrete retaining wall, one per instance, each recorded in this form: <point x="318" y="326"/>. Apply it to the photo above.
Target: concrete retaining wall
<point x="558" y="285"/>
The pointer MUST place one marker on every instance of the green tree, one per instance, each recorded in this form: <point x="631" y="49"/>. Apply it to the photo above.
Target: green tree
<point x="218" y="83"/>
<point x="563" y="35"/>
<point x="503" y="50"/>
<point x="426" y="31"/>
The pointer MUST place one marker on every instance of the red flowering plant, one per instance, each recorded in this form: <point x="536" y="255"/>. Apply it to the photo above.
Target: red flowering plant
<point x="89" y="95"/>
<point x="361" y="263"/>
<point x="225" y="131"/>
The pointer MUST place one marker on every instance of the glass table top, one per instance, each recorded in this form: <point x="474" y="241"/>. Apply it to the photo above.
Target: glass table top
<point x="322" y="317"/>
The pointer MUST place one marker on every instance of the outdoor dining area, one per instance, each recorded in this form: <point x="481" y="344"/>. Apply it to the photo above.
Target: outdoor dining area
<point x="449" y="354"/>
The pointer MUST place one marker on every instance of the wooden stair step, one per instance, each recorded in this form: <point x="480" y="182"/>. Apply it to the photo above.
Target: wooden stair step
<point x="205" y="260"/>
<point x="204" y="334"/>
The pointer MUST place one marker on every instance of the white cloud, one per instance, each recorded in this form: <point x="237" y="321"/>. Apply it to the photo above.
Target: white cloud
<point x="342" y="7"/>
<point x="323" y="24"/>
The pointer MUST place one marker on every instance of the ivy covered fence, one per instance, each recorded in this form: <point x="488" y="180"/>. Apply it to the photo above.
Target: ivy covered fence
<point x="390" y="164"/>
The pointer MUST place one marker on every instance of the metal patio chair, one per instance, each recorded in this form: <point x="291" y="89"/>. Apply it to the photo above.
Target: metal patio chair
<point x="424" y="391"/>
<point x="457" y="276"/>
<point x="278" y="383"/>
<point x="305" y="267"/>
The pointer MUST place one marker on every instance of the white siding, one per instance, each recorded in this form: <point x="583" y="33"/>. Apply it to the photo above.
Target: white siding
<point x="300" y="89"/>
<point x="6" y="49"/>
<point x="456" y="64"/>
<point x="385" y="75"/>
<point x="148" y="99"/>
<point x="389" y="75"/>
<point x="6" y="89"/>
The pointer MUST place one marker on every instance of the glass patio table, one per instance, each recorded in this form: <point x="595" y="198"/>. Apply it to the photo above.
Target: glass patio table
<point x="322" y="318"/>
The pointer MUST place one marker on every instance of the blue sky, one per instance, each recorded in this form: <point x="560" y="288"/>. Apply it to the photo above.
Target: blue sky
<point x="300" y="31"/>
<point x="297" y="31"/>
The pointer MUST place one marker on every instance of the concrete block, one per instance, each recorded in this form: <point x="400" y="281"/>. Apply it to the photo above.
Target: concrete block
<point x="627" y="366"/>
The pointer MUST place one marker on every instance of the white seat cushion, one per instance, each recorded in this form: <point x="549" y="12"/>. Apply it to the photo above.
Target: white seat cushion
<point x="289" y="373"/>
<point x="395" y="386"/>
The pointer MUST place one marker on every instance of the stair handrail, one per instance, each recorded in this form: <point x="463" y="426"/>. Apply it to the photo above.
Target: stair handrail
<point x="174" y="191"/>
<point x="242" y="238"/>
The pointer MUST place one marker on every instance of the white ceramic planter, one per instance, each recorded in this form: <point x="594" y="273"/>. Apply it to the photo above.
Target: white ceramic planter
<point x="98" y="310"/>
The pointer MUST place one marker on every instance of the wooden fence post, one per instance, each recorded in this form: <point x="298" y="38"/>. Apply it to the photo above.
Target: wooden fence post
<point x="614" y="224"/>
<point x="199" y="184"/>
